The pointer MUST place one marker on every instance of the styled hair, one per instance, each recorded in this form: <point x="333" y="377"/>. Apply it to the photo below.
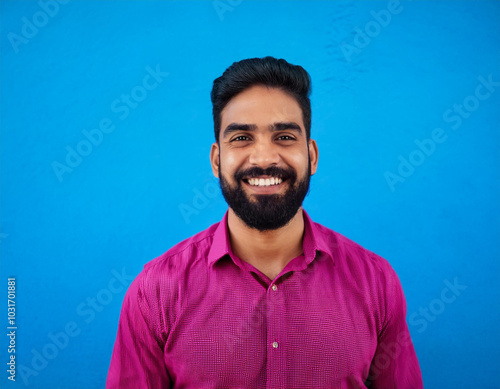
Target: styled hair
<point x="267" y="71"/>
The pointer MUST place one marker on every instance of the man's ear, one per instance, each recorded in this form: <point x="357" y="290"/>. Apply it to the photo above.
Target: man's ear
<point x="214" y="159"/>
<point x="313" y="155"/>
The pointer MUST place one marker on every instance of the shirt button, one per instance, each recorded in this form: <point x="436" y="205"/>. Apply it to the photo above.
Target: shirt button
<point x="274" y="287"/>
<point x="275" y="344"/>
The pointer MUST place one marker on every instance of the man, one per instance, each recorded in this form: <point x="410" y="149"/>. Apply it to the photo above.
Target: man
<point x="266" y="298"/>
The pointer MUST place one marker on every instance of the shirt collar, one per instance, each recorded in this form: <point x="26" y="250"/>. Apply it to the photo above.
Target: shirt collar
<point x="314" y="240"/>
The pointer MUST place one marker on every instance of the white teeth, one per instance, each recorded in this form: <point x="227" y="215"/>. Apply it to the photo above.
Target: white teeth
<point x="264" y="181"/>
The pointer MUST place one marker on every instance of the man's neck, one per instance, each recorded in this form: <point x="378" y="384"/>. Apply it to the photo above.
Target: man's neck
<point x="268" y="251"/>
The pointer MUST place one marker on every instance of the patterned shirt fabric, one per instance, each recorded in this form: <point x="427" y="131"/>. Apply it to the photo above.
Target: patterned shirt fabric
<point x="200" y="317"/>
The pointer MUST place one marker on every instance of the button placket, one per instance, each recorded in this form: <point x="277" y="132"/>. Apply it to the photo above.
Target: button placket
<point x="275" y="337"/>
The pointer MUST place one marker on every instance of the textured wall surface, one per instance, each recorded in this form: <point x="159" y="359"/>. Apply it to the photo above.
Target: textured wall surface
<point x="105" y="136"/>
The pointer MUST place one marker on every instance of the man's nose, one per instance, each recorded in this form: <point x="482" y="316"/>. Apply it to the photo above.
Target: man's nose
<point x="264" y="154"/>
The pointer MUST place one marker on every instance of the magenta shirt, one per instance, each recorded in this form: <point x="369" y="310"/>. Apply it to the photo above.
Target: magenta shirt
<point x="199" y="317"/>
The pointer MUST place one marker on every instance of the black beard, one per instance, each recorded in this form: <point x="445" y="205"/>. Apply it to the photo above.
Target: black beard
<point x="270" y="211"/>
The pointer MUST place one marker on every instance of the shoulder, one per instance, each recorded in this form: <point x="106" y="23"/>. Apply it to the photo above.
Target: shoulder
<point x="160" y="283"/>
<point x="370" y="275"/>
<point x="185" y="252"/>
<point x="357" y="264"/>
<point x="172" y="265"/>
<point x="347" y="252"/>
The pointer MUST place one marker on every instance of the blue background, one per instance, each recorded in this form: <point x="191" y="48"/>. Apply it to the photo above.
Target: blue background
<point x="148" y="184"/>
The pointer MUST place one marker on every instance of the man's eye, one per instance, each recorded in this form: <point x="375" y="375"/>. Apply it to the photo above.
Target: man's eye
<point x="240" y="138"/>
<point x="285" y="137"/>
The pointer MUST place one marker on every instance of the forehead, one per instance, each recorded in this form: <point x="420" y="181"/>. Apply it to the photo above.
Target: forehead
<point x="261" y="105"/>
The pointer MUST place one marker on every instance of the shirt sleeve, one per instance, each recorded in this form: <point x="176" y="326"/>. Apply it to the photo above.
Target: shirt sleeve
<point x="137" y="360"/>
<point x="395" y="364"/>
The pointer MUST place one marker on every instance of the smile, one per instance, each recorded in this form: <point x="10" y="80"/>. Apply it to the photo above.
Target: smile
<point x="264" y="181"/>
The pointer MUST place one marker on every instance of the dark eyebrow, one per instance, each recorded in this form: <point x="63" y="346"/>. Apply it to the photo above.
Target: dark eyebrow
<point x="280" y="126"/>
<point x="233" y="127"/>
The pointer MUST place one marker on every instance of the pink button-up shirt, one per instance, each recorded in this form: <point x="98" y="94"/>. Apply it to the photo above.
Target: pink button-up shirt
<point x="200" y="317"/>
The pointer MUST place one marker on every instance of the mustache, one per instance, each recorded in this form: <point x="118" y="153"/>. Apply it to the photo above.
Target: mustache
<point x="270" y="171"/>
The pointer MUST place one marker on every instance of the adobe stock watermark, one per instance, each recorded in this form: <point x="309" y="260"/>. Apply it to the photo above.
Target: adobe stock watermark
<point x="60" y="340"/>
<point x="32" y="26"/>
<point x="390" y="351"/>
<point x="122" y="107"/>
<point x="454" y="116"/>
<point x="223" y="6"/>
<point x="437" y="306"/>
<point x="200" y="200"/>
<point x="364" y="36"/>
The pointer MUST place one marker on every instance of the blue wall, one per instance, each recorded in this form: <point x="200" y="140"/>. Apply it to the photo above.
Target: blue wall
<point x="80" y="219"/>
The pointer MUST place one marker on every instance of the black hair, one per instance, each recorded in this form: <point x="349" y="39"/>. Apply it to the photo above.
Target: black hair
<point x="267" y="71"/>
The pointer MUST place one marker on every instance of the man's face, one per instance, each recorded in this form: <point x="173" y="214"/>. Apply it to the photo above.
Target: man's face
<point x="264" y="161"/>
